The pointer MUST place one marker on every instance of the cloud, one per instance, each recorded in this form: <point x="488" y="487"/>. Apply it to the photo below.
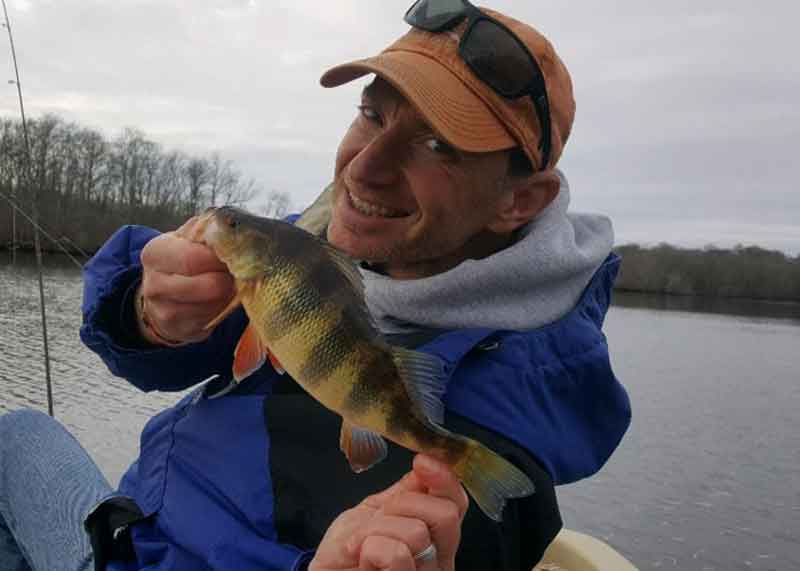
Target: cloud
<point x="686" y="112"/>
<point x="22" y="5"/>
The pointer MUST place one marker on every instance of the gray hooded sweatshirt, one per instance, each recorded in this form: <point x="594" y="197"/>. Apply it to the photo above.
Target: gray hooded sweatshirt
<point x="533" y="282"/>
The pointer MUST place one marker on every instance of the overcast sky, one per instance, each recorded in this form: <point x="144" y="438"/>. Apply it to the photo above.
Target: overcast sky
<point x="687" y="128"/>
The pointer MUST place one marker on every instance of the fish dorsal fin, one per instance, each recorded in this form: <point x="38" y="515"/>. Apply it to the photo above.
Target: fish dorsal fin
<point x="347" y="266"/>
<point x="362" y="448"/>
<point x="425" y="379"/>
<point x="315" y="218"/>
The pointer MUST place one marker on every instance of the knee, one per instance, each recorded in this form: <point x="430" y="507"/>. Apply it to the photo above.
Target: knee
<point x="23" y="422"/>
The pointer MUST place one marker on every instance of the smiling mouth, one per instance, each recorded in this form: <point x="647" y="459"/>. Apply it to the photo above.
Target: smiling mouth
<point x="374" y="210"/>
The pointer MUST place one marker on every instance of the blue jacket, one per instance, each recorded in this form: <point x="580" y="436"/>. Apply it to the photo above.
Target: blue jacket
<point x="551" y="391"/>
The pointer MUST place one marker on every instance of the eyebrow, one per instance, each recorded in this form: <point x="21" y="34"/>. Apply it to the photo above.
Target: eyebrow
<point x="368" y="91"/>
<point x="368" y="94"/>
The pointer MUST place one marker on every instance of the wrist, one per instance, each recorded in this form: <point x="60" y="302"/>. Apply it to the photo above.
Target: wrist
<point x="305" y="561"/>
<point x="147" y="328"/>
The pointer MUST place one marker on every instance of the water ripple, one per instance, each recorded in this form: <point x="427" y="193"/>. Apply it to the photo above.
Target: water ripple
<point x="703" y="481"/>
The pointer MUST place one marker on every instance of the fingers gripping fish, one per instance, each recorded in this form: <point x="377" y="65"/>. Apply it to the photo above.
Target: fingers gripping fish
<point x="305" y="302"/>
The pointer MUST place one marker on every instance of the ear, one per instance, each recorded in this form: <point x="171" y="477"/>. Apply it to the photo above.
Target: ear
<point x="524" y="198"/>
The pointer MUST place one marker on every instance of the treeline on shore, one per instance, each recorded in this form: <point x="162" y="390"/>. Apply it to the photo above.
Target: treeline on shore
<point x="741" y="272"/>
<point x="85" y="185"/>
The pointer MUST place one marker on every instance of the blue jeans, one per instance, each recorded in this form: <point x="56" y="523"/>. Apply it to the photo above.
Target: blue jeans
<point x="48" y="484"/>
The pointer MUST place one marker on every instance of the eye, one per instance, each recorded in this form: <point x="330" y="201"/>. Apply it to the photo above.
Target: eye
<point x="231" y="222"/>
<point x="369" y="114"/>
<point x="440" y="147"/>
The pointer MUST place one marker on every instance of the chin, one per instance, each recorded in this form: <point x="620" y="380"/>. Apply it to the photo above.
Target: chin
<point x="353" y="245"/>
<point x="344" y="239"/>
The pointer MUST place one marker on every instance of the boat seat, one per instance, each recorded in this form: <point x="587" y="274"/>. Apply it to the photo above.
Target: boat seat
<point x="574" y="551"/>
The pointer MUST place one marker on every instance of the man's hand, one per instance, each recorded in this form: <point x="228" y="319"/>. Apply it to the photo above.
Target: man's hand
<point x="385" y="531"/>
<point x="184" y="287"/>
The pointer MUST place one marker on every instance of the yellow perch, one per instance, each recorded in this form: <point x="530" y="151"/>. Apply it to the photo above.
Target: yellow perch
<point x="305" y="302"/>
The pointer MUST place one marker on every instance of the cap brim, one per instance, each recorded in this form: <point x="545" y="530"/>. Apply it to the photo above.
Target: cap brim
<point x="453" y="110"/>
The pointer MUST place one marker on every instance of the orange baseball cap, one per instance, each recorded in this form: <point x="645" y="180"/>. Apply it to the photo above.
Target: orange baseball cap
<point x="428" y="70"/>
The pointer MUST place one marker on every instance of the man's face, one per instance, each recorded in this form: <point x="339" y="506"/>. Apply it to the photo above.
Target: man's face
<point x="407" y="200"/>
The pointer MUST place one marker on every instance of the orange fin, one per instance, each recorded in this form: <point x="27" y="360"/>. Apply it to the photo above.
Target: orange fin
<point x="273" y="360"/>
<point x="250" y="354"/>
<point x="230" y="308"/>
<point x="362" y="448"/>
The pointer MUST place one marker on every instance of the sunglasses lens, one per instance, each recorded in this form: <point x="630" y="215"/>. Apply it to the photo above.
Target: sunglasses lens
<point x="435" y="15"/>
<point x="498" y="59"/>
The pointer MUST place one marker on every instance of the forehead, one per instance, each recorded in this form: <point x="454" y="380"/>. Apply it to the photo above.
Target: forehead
<point x="381" y="90"/>
<point x="383" y="94"/>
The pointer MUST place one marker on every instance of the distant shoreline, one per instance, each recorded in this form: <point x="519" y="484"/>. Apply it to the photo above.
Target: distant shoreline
<point x="743" y="274"/>
<point x="699" y="296"/>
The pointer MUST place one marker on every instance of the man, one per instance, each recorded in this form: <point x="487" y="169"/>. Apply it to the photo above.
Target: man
<point x="445" y="187"/>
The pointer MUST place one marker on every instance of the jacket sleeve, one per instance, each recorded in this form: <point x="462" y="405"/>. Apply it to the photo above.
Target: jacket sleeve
<point x="552" y="390"/>
<point x="110" y="279"/>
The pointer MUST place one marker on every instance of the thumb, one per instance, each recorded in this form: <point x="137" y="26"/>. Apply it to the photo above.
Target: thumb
<point x="439" y="480"/>
<point x="411" y="482"/>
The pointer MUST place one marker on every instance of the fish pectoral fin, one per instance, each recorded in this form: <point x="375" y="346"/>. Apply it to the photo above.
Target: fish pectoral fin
<point x="425" y="379"/>
<point x="230" y="308"/>
<point x="250" y="354"/>
<point x="362" y="448"/>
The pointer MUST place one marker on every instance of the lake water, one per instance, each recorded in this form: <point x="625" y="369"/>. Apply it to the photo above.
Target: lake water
<point x="707" y="478"/>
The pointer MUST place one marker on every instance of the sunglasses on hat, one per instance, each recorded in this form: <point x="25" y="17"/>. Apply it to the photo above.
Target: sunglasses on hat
<point x="494" y="54"/>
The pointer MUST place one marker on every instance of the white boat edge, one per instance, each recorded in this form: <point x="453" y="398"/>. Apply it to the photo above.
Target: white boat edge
<point x="575" y="551"/>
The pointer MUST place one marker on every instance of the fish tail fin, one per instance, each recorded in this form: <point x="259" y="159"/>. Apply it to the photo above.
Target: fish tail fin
<point x="491" y="479"/>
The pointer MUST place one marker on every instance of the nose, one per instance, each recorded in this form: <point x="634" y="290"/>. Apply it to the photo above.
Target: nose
<point x="378" y="164"/>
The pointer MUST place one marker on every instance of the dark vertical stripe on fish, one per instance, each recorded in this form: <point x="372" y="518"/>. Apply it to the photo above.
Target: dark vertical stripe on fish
<point x="332" y="349"/>
<point x="295" y="246"/>
<point x="327" y="280"/>
<point x="377" y="380"/>
<point x="291" y="311"/>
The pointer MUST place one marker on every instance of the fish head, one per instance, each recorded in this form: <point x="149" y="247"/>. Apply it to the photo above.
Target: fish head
<point x="244" y="242"/>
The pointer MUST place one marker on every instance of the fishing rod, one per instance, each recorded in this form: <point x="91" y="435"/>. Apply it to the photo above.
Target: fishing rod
<point x="57" y="241"/>
<point x="13" y="212"/>
<point x="35" y="214"/>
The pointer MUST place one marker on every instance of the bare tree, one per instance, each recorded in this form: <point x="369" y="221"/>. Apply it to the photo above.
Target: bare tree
<point x="277" y="205"/>
<point x="198" y="175"/>
<point x="88" y="185"/>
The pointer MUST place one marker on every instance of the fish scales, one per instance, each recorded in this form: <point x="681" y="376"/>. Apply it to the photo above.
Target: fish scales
<point x="306" y="307"/>
<point x="341" y="345"/>
<point x="286" y="306"/>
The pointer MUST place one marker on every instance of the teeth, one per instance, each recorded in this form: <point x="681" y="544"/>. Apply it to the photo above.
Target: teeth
<point x="370" y="209"/>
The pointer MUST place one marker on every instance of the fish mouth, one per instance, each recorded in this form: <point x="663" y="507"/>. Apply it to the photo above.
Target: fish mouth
<point x="218" y="222"/>
<point x="374" y="210"/>
<point x="195" y="229"/>
<point x="211" y="232"/>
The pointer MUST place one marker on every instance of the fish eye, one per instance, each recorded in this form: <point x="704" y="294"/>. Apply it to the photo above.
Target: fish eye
<point x="231" y="222"/>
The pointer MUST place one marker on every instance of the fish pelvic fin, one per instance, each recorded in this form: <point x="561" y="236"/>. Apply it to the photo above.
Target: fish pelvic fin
<point x="362" y="448"/>
<point x="230" y="308"/>
<point x="251" y="354"/>
<point x="425" y="380"/>
<point x="490" y="479"/>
